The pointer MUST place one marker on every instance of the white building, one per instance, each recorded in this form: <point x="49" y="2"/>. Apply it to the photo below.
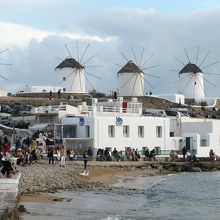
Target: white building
<point x="110" y="125"/>
<point x="201" y="135"/>
<point x="3" y="94"/>
<point x="41" y="89"/>
<point x="177" y="98"/>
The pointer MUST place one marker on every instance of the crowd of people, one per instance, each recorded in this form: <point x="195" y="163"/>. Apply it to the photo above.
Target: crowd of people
<point x="186" y="155"/>
<point x="150" y="155"/>
<point x="132" y="154"/>
<point x="30" y="150"/>
<point x="115" y="155"/>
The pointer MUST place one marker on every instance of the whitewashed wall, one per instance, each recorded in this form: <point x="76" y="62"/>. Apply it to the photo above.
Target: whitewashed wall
<point x="192" y="90"/>
<point x="206" y="129"/>
<point x="75" y="80"/>
<point x="150" y="140"/>
<point x="130" y="84"/>
<point x="37" y="89"/>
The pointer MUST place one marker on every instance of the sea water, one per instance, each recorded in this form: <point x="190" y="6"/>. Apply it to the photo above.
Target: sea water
<point x="190" y="196"/>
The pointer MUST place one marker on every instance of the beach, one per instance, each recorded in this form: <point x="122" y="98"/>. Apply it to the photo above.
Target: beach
<point x="44" y="178"/>
<point x="41" y="177"/>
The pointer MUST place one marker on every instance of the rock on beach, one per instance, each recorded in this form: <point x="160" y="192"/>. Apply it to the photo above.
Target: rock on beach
<point x="42" y="177"/>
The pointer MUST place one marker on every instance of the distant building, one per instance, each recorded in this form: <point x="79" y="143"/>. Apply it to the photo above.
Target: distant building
<point x="177" y="98"/>
<point x="41" y="89"/>
<point x="3" y="94"/>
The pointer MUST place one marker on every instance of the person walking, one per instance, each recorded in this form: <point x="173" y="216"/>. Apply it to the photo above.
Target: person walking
<point x="85" y="158"/>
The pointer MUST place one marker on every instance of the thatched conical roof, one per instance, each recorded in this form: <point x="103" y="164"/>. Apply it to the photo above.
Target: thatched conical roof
<point x="190" y="68"/>
<point x="69" y="63"/>
<point x="130" y="67"/>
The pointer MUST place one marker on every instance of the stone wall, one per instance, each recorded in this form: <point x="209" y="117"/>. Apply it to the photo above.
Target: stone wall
<point x="9" y="195"/>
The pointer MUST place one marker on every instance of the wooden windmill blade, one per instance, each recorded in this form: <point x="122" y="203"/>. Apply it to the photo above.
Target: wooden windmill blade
<point x="3" y="77"/>
<point x="4" y="64"/>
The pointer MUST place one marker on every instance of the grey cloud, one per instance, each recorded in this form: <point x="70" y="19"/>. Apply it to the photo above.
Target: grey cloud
<point x="164" y="34"/>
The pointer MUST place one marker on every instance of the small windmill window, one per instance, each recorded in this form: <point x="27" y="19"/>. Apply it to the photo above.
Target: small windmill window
<point x="64" y="78"/>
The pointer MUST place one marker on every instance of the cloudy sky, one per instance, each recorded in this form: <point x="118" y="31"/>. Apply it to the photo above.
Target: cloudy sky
<point x="35" y="32"/>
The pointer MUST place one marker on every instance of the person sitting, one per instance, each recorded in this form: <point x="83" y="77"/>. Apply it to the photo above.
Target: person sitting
<point x="6" y="164"/>
<point x="147" y="154"/>
<point x="193" y="156"/>
<point x="100" y="155"/>
<point x="115" y="154"/>
<point x="137" y="155"/>
<point x="172" y="155"/>
<point x="212" y="154"/>
<point x="71" y="154"/>
<point x="188" y="156"/>
<point x="153" y="154"/>
<point x="90" y="153"/>
<point x="107" y="155"/>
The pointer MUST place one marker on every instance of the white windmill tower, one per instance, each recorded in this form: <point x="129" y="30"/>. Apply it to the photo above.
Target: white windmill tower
<point x="191" y="77"/>
<point x="72" y="72"/>
<point x="130" y="79"/>
<point x="72" y="76"/>
<point x="192" y="85"/>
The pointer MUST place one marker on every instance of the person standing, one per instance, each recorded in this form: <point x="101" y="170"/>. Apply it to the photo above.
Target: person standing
<point x="50" y="95"/>
<point x="85" y="158"/>
<point x="115" y="154"/>
<point x="50" y="155"/>
<point x="184" y="152"/>
<point x="59" y="94"/>
<point x="63" y="156"/>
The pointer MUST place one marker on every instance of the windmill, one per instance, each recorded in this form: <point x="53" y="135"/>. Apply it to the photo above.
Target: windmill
<point x="73" y="72"/>
<point x="192" y="76"/>
<point x="131" y="77"/>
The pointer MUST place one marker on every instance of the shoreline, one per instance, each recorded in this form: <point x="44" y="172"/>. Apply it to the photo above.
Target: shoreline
<point x="44" y="178"/>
